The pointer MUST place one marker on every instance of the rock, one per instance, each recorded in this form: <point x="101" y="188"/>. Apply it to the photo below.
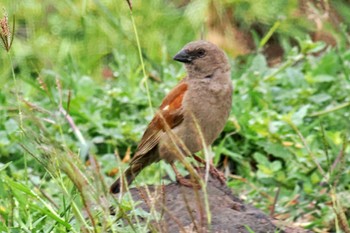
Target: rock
<point x="183" y="209"/>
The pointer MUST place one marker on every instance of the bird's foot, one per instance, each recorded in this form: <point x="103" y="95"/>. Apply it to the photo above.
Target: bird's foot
<point x="214" y="172"/>
<point x="217" y="174"/>
<point x="188" y="182"/>
<point x="183" y="181"/>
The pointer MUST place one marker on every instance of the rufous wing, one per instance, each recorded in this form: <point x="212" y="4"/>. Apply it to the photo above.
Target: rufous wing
<point x="170" y="112"/>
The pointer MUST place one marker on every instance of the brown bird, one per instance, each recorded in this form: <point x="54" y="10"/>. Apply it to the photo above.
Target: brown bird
<point x="190" y="117"/>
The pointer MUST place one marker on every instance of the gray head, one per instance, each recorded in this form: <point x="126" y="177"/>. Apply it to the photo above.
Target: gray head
<point x="202" y="58"/>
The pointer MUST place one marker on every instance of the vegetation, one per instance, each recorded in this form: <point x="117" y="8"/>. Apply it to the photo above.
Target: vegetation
<point x="82" y="79"/>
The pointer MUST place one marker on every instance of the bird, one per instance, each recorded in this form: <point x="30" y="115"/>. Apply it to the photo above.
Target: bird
<point x="190" y="117"/>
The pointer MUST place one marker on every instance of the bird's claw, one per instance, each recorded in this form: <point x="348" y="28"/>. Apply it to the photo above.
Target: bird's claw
<point x="217" y="174"/>
<point x="214" y="173"/>
<point x="188" y="183"/>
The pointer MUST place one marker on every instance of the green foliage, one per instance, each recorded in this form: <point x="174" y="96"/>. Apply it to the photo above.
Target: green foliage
<point x="249" y="12"/>
<point x="82" y="57"/>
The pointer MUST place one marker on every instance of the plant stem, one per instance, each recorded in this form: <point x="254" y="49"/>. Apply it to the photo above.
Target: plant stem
<point x="344" y="105"/>
<point x="144" y="79"/>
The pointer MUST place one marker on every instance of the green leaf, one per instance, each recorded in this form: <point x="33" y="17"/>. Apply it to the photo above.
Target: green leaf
<point x="47" y="209"/>
<point x="4" y="139"/>
<point x="11" y="126"/>
<point x="276" y="166"/>
<point x="261" y="159"/>
<point x="315" y="178"/>
<point x="276" y="150"/>
<point x="5" y="166"/>
<point x="298" y="116"/>
<point x="259" y="64"/>
<point x="323" y="78"/>
<point x="231" y="154"/>
<point x="319" y="98"/>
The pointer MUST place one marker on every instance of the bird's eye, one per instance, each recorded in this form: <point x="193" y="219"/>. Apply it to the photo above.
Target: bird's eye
<point x="200" y="52"/>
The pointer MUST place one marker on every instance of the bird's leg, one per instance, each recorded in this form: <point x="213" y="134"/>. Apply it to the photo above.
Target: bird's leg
<point x="212" y="170"/>
<point x="182" y="180"/>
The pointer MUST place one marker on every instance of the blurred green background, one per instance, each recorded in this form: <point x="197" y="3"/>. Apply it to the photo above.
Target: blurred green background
<point x="288" y="129"/>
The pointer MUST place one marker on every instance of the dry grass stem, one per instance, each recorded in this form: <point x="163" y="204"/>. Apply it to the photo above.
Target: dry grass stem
<point x="5" y="34"/>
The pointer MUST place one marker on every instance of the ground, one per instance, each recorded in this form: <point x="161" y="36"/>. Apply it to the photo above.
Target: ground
<point x="183" y="209"/>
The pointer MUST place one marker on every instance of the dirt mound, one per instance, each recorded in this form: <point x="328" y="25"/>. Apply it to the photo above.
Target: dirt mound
<point x="215" y="209"/>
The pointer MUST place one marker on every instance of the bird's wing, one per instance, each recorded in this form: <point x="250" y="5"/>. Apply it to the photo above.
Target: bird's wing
<point x="170" y="113"/>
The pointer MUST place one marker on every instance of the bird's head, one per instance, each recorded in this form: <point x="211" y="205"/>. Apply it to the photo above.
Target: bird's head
<point x="202" y="59"/>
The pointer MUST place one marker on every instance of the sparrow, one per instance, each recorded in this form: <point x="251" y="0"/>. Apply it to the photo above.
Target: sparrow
<point x="190" y="117"/>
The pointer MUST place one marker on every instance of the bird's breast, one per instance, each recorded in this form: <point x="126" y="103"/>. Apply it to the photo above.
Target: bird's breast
<point x="206" y="109"/>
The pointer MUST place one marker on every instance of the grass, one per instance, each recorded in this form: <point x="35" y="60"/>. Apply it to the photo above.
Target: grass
<point x="77" y="73"/>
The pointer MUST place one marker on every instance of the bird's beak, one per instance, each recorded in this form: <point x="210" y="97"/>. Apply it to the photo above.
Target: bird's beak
<point x="183" y="56"/>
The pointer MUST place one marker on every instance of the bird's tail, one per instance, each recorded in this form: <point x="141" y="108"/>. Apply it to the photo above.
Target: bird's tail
<point x="126" y="178"/>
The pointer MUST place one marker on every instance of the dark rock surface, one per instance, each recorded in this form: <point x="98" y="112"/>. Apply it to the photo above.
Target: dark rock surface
<point x="214" y="209"/>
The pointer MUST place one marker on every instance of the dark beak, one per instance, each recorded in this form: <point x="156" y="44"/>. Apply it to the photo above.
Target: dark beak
<point x="183" y="56"/>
